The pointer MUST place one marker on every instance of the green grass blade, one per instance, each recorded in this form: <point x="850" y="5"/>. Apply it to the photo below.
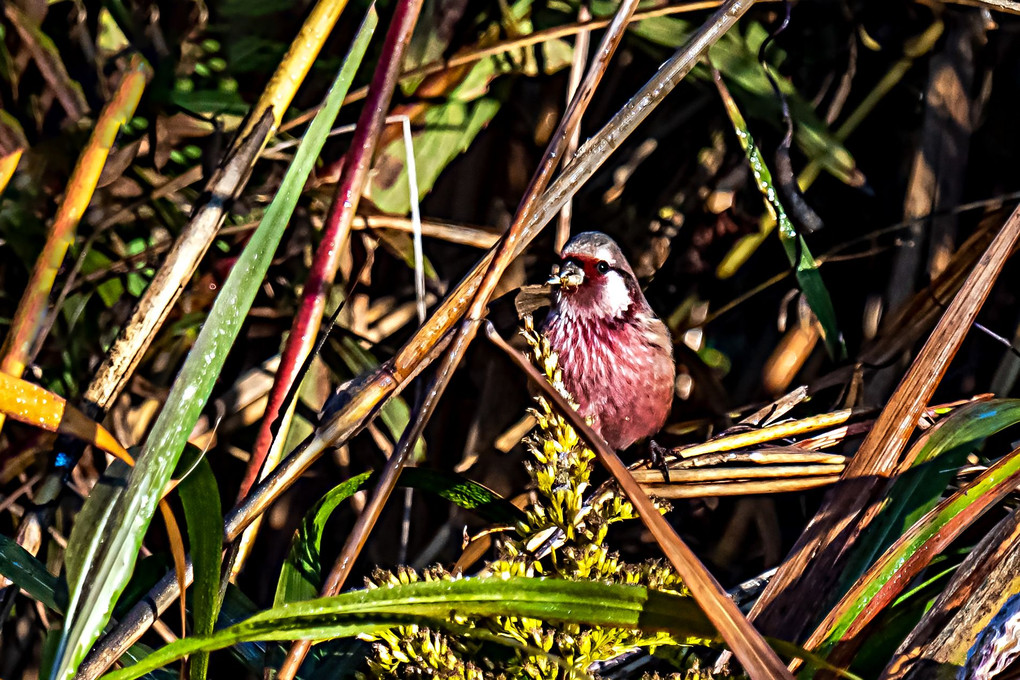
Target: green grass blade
<point x="582" y="602"/>
<point x="26" y="572"/>
<point x="110" y="562"/>
<point x="200" y="497"/>
<point x="804" y="266"/>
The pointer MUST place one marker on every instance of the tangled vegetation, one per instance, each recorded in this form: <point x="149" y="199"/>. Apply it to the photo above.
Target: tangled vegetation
<point x="264" y="408"/>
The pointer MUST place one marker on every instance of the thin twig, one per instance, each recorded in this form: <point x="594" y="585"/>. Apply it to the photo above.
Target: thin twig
<point x="576" y="72"/>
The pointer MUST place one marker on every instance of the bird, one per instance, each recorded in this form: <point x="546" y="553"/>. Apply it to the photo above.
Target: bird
<point x="616" y="355"/>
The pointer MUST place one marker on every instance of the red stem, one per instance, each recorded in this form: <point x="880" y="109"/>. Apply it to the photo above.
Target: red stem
<point x="337" y="228"/>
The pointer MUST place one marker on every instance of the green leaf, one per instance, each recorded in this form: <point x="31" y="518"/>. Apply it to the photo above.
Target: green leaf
<point x="26" y="572"/>
<point x="805" y="268"/>
<point x="200" y="497"/>
<point x="433" y="603"/>
<point x="107" y="557"/>
<point x="301" y="575"/>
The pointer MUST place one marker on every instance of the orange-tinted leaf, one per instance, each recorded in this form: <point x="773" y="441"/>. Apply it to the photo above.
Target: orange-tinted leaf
<point x="29" y="403"/>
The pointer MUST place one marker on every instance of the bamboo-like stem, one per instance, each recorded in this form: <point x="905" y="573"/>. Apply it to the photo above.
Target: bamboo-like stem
<point x="31" y="312"/>
<point x="758" y="659"/>
<point x="371" y="391"/>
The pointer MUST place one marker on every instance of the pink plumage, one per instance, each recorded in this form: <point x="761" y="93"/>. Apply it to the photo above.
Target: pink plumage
<point x="616" y="354"/>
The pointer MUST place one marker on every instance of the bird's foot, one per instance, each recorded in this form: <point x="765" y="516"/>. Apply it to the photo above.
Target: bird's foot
<point x="657" y="459"/>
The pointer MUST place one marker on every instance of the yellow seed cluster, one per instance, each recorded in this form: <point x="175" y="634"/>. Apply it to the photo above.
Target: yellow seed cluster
<point x="563" y="537"/>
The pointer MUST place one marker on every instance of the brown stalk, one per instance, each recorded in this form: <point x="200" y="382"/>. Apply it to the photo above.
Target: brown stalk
<point x="462" y="234"/>
<point x="777" y="455"/>
<point x="674" y="491"/>
<point x="766" y="434"/>
<point x="374" y="389"/>
<point x="576" y="73"/>
<point x="757" y="658"/>
<point x="815" y="560"/>
<point x="732" y="474"/>
<point x="505" y="253"/>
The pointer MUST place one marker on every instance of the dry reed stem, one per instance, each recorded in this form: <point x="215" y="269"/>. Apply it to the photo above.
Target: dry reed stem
<point x="716" y="489"/>
<point x="765" y="434"/>
<point x="733" y="474"/>
<point x="31" y="312"/>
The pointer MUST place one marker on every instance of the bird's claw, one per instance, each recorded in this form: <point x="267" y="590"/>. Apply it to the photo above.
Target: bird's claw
<point x="657" y="459"/>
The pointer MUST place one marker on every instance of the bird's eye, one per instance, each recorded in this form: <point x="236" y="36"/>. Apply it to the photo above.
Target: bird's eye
<point x="602" y="267"/>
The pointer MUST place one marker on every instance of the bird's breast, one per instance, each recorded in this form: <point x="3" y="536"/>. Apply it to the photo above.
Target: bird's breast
<point x="619" y="372"/>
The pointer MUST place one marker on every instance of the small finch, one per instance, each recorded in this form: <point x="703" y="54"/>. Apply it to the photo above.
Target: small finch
<point x="615" y="353"/>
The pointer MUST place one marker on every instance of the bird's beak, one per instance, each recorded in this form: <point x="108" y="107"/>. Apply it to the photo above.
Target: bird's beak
<point x="569" y="276"/>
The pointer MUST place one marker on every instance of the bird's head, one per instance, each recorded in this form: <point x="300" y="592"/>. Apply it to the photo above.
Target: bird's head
<point x="594" y="279"/>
